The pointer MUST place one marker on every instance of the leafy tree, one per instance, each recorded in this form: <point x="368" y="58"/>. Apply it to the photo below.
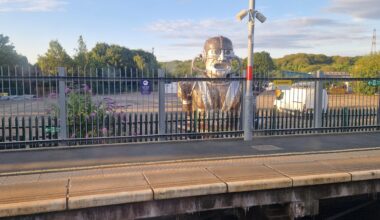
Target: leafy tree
<point x="105" y="55"/>
<point x="150" y="62"/>
<point x="263" y="64"/>
<point x="139" y="61"/>
<point x="81" y="57"/>
<point x="176" y="68"/>
<point x="55" y="57"/>
<point x="366" y="67"/>
<point x="183" y="69"/>
<point x="8" y="54"/>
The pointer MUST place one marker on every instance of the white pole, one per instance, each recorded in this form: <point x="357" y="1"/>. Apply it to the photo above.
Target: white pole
<point x="248" y="112"/>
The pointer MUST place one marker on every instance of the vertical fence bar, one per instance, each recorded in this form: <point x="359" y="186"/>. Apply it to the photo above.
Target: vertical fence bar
<point x="10" y="129"/>
<point x="30" y="127"/>
<point x="161" y="104"/>
<point x="2" y="138"/>
<point x="62" y="104"/>
<point x="318" y="101"/>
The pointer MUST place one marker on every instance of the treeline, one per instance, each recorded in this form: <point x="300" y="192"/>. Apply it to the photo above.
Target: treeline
<point x="265" y="64"/>
<point x="312" y="62"/>
<point x="103" y="55"/>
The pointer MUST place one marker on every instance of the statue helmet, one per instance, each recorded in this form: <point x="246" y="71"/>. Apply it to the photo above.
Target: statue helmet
<point x="219" y="42"/>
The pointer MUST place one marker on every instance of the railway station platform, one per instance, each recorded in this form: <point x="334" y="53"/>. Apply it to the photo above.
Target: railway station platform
<point x="86" y="184"/>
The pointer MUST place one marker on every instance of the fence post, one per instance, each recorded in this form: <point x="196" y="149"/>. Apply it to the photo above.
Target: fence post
<point x="318" y="100"/>
<point x="378" y="109"/>
<point x="161" y="104"/>
<point x="242" y="101"/>
<point x="62" y="104"/>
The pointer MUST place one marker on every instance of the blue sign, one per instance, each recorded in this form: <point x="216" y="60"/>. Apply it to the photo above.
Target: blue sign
<point x="145" y="87"/>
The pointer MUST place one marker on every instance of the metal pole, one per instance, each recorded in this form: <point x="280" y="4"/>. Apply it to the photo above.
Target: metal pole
<point x="378" y="108"/>
<point x="161" y="104"/>
<point x="248" y="106"/>
<point x="318" y="101"/>
<point x="242" y="109"/>
<point x="62" y="104"/>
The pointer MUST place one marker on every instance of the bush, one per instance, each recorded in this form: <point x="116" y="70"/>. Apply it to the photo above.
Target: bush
<point x="84" y="117"/>
<point x="366" y="67"/>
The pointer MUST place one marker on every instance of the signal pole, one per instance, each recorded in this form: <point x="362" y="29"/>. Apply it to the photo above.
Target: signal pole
<point x="248" y="111"/>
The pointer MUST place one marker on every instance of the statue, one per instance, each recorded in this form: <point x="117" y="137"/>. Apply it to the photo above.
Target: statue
<point x="221" y="95"/>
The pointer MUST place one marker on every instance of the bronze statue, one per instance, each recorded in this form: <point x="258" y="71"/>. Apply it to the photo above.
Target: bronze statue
<point x="221" y="95"/>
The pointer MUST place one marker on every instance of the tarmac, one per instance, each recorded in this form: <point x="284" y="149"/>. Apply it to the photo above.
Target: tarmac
<point x="108" y="155"/>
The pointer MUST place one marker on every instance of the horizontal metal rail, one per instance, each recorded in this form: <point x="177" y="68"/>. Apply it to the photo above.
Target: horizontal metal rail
<point x="177" y="79"/>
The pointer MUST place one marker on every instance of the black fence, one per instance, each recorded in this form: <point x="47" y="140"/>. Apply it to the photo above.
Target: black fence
<point x="34" y="132"/>
<point x="112" y="108"/>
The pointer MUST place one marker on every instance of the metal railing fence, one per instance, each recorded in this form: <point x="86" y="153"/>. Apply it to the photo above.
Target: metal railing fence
<point x="109" y="105"/>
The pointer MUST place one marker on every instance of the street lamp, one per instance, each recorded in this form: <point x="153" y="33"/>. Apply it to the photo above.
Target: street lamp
<point x="249" y="105"/>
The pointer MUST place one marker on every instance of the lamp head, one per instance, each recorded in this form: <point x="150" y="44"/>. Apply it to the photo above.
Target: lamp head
<point x="260" y="17"/>
<point x="241" y="15"/>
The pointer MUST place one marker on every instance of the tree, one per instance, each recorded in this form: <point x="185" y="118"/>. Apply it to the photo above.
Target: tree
<point x="263" y="64"/>
<point x="8" y="54"/>
<point x="81" y="56"/>
<point x="366" y="67"/>
<point x="105" y="55"/>
<point x="183" y="69"/>
<point x="55" y="57"/>
<point x="115" y="56"/>
<point x="176" y="68"/>
<point x="140" y="62"/>
<point x="149" y="60"/>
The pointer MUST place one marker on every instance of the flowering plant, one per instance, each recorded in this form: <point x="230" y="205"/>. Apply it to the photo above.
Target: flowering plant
<point x="85" y="118"/>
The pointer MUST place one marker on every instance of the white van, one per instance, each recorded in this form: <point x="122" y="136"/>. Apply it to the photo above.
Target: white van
<point x="299" y="99"/>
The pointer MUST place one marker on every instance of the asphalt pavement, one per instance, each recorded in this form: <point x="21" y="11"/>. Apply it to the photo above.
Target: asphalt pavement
<point x="153" y="152"/>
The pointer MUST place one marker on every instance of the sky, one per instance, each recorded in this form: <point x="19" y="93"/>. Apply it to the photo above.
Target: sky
<point x="177" y="29"/>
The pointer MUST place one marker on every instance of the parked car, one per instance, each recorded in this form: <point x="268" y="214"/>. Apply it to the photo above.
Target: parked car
<point x="299" y="99"/>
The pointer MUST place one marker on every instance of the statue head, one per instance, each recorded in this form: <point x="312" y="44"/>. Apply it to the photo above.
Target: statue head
<point x="218" y="54"/>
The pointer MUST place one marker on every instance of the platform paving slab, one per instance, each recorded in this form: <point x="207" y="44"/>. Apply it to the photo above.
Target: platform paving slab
<point x="311" y="173"/>
<point x="21" y="179"/>
<point x="366" y="168"/>
<point x="250" y="178"/>
<point x="105" y="190"/>
<point x="36" y="193"/>
<point x="167" y="184"/>
<point x="32" y="197"/>
<point x="29" y="208"/>
<point x="2" y="179"/>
